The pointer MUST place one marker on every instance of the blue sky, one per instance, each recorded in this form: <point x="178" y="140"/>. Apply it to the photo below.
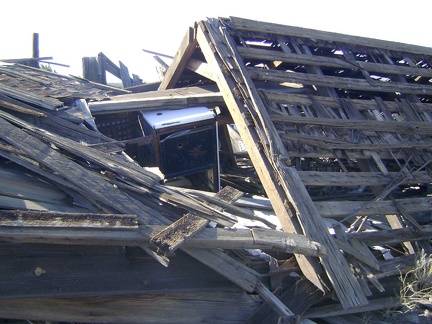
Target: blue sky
<point x="71" y="30"/>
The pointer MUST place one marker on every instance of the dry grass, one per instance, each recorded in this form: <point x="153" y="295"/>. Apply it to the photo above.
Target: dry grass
<point x="416" y="290"/>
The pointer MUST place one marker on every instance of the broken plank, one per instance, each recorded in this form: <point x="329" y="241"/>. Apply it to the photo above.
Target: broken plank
<point x="173" y="236"/>
<point x="346" y="286"/>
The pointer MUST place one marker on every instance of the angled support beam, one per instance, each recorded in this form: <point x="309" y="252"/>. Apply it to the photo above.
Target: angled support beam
<point x="181" y="58"/>
<point x="289" y="197"/>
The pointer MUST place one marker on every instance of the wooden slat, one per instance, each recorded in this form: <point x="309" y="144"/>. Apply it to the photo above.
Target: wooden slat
<point x="340" y="209"/>
<point x="335" y="103"/>
<point x="322" y="61"/>
<point x="272" y="28"/>
<point x="335" y="310"/>
<point x="393" y="236"/>
<point x="339" y="144"/>
<point x="339" y="82"/>
<point x="409" y="128"/>
<point x="321" y="178"/>
<point x="225" y="306"/>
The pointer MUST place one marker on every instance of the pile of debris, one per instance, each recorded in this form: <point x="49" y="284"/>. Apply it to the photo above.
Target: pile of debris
<point x="315" y="203"/>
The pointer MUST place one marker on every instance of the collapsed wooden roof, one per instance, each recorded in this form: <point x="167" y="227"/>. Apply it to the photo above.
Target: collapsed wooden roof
<point x="66" y="184"/>
<point x="337" y="128"/>
<point x="323" y="110"/>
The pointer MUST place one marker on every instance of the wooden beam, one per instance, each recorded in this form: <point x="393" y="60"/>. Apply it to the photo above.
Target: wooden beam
<point x="161" y="99"/>
<point x="335" y="310"/>
<point x="201" y="68"/>
<point x="252" y="142"/>
<point x="345" y="284"/>
<point x="191" y="306"/>
<point x="57" y="232"/>
<point x="180" y="60"/>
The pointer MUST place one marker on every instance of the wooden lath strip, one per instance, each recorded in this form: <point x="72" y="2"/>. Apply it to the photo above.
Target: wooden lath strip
<point x="335" y="103"/>
<point x="320" y="178"/>
<point x="409" y="128"/>
<point x="341" y="209"/>
<point x="322" y="61"/>
<point x="334" y="144"/>
<point x="339" y="82"/>
<point x="277" y="29"/>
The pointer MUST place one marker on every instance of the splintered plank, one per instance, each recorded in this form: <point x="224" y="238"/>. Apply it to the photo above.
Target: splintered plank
<point x="173" y="236"/>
